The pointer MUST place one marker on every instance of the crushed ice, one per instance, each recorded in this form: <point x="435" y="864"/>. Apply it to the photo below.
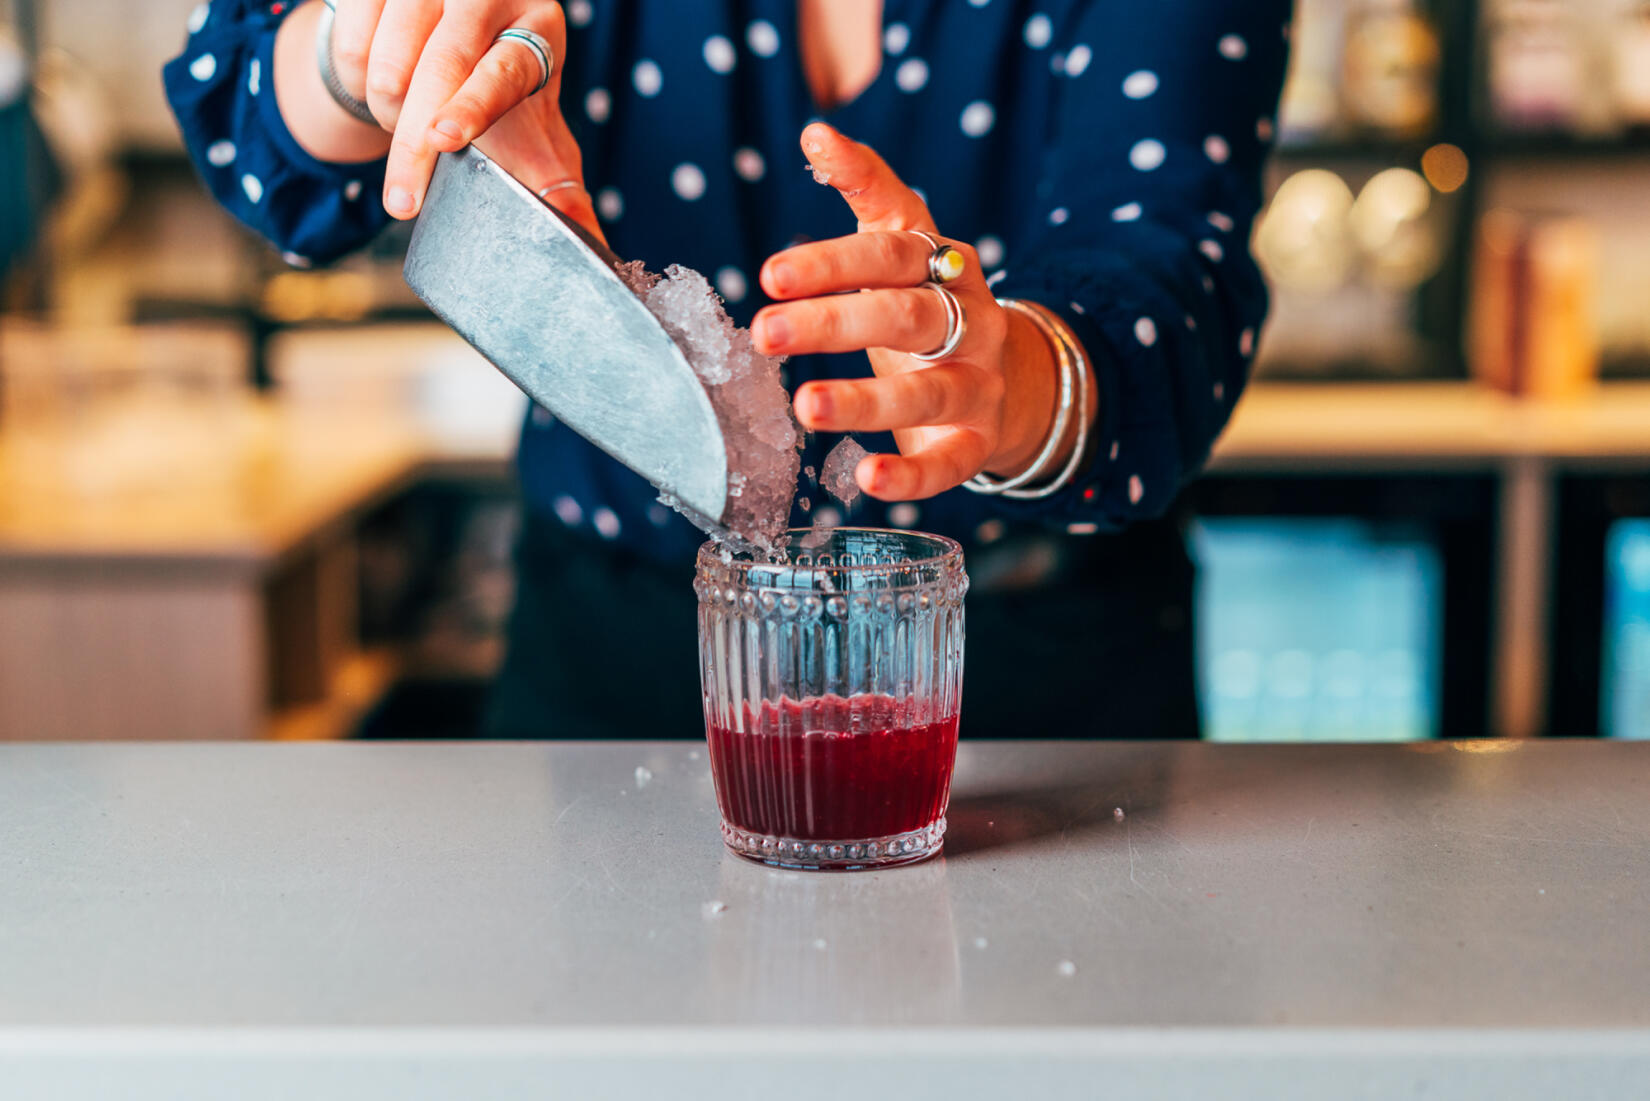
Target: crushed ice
<point x="712" y="909"/>
<point x="1117" y="813"/>
<point x="837" y="477"/>
<point x="643" y="775"/>
<point x="745" y="389"/>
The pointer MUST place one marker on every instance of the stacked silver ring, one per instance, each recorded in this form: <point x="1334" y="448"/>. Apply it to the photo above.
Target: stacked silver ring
<point x="956" y="325"/>
<point x="540" y="47"/>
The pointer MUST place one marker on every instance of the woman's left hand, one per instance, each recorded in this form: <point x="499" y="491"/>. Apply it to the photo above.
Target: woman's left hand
<point x="951" y="419"/>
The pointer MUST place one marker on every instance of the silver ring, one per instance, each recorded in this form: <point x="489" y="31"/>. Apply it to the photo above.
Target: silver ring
<point x="539" y="46"/>
<point x="946" y="264"/>
<point x="956" y="325"/>
<point x="559" y="185"/>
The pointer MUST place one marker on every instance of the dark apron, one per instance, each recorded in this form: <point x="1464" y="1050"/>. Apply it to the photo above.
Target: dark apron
<point x="1068" y="637"/>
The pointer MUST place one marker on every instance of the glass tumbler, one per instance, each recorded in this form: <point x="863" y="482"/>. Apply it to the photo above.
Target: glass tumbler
<point x="832" y="683"/>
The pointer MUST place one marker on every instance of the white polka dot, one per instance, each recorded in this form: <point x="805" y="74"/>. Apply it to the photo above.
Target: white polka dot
<point x="1128" y="212"/>
<point x="1139" y="85"/>
<point x="827" y="517"/>
<point x="720" y="54"/>
<point x="1222" y="222"/>
<point x="579" y="12"/>
<point x="197" y="18"/>
<point x="1246" y="343"/>
<point x="542" y="417"/>
<point x="295" y="260"/>
<point x="253" y="187"/>
<point x="1263" y="128"/>
<point x="1082" y="529"/>
<point x="922" y="196"/>
<point x="1136" y="489"/>
<point x="1233" y="47"/>
<point x="220" y="153"/>
<point x="749" y="164"/>
<point x="1147" y="155"/>
<point x="990" y="250"/>
<point x="1145" y="331"/>
<point x="607" y="523"/>
<point x="1212" y="250"/>
<point x="731" y="283"/>
<point x="254" y="76"/>
<point x="896" y="38"/>
<point x="598" y="104"/>
<point x="995" y="277"/>
<point x="1076" y="307"/>
<point x="203" y="67"/>
<point x="762" y="38"/>
<point x="1078" y="60"/>
<point x="1039" y="30"/>
<point x="1116" y="446"/>
<point x="1220" y="391"/>
<point x="903" y="515"/>
<point x="647" y="78"/>
<point x="688" y="181"/>
<point x="1058" y="216"/>
<point x="911" y="75"/>
<point x="610" y="204"/>
<point x="658" y="515"/>
<point x="352" y="190"/>
<point x="979" y="3"/>
<point x="1216" y="149"/>
<point x="568" y="510"/>
<point x="990" y="531"/>
<point x="978" y="118"/>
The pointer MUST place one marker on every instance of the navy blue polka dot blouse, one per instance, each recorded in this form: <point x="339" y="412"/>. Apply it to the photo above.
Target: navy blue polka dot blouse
<point x="1104" y="157"/>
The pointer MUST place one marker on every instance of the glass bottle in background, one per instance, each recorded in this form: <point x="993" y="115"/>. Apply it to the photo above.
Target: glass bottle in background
<point x="1536" y="65"/>
<point x="1310" y="110"/>
<point x="1630" y="36"/>
<point x="1390" y="69"/>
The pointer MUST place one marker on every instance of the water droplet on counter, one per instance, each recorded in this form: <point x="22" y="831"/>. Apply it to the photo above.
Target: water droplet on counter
<point x="819" y="943"/>
<point x="712" y="909"/>
<point x="981" y="943"/>
<point x="1067" y="969"/>
<point x="643" y="775"/>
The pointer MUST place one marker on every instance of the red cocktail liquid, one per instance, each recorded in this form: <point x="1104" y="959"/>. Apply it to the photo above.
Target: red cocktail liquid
<point x="834" y="769"/>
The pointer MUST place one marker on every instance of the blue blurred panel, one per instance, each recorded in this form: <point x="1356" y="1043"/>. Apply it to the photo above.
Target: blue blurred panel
<point x="1317" y="630"/>
<point x="1624" y="709"/>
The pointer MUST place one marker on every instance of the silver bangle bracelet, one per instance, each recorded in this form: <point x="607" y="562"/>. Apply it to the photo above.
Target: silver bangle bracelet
<point x="329" y="72"/>
<point x="984" y="483"/>
<point x="1074" y="367"/>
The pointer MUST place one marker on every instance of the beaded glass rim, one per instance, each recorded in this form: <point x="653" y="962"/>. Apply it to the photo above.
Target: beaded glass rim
<point x="947" y="552"/>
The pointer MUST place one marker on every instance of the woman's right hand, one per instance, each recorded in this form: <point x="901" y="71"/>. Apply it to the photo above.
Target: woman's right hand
<point x="437" y="79"/>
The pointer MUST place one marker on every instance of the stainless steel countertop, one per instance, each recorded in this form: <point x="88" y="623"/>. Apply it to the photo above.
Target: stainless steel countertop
<point x="498" y="909"/>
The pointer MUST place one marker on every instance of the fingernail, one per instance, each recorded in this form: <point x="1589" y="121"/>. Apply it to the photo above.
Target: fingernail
<point x="819" y="404"/>
<point x="400" y="201"/>
<point x="776" y="330"/>
<point x="449" y="129"/>
<point x="783" y="276"/>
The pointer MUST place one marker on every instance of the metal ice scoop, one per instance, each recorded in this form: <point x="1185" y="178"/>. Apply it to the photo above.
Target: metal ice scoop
<point x="537" y="295"/>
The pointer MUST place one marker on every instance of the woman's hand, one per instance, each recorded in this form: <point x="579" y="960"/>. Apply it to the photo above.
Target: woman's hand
<point x="435" y="75"/>
<point x="987" y="407"/>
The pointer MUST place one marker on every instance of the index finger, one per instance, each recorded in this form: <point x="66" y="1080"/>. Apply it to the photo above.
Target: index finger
<point x="876" y="195"/>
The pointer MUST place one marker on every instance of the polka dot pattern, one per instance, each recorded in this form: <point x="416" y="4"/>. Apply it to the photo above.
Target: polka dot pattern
<point x="978" y="118"/>
<point x="762" y="38"/>
<point x="748" y="163"/>
<point x="1140" y="85"/>
<point x="1165" y="118"/>
<point x="598" y="105"/>
<point x="1148" y="155"/>
<point x="1039" y="31"/>
<point x="647" y="78"/>
<point x="720" y="55"/>
<point x="688" y="181"/>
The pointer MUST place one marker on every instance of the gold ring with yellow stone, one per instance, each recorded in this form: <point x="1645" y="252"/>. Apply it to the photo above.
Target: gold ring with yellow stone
<point x="946" y="263"/>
